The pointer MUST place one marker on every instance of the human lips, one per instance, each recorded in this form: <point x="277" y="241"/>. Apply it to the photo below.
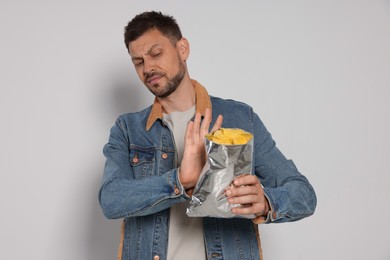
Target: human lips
<point x="153" y="78"/>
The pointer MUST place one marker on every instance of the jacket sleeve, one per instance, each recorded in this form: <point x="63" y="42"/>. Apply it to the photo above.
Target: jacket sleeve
<point x="121" y="195"/>
<point x="289" y="193"/>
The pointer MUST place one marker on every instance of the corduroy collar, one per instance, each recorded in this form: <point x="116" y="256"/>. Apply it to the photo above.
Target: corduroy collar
<point x="202" y="101"/>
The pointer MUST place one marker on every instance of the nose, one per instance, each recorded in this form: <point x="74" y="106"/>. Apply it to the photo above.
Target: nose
<point x="148" y="67"/>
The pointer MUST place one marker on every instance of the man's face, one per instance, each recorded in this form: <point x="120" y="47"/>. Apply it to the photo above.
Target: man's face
<point x="157" y="63"/>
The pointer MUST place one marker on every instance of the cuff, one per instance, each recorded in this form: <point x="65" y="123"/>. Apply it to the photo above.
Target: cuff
<point x="178" y="187"/>
<point x="270" y="215"/>
<point x="263" y="219"/>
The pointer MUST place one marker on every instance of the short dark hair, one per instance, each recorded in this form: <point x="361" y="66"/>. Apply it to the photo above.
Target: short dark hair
<point x="147" y="21"/>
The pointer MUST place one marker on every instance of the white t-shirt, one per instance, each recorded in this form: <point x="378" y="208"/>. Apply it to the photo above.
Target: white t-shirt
<point x="185" y="240"/>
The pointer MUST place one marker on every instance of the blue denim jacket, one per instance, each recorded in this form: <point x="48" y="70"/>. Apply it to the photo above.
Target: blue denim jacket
<point x="140" y="183"/>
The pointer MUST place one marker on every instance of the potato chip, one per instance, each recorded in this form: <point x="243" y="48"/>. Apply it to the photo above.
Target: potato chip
<point x="230" y="136"/>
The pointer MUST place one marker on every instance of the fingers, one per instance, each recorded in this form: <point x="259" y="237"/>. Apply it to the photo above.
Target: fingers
<point x="246" y="179"/>
<point x="252" y="201"/>
<point x="257" y="209"/>
<point x="247" y="191"/>
<point x="234" y="191"/>
<point x="188" y="134"/>
<point x="217" y="124"/>
<point x="244" y="200"/>
<point x="206" y="122"/>
<point x="250" y="204"/>
<point x="201" y="127"/>
<point x="196" y="127"/>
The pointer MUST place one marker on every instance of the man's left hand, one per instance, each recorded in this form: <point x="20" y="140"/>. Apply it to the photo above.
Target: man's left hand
<point x="247" y="191"/>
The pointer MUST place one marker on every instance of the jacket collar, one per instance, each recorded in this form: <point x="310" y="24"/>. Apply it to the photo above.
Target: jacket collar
<point x="202" y="101"/>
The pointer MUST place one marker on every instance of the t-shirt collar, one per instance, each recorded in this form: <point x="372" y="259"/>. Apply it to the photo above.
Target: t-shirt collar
<point x="202" y="101"/>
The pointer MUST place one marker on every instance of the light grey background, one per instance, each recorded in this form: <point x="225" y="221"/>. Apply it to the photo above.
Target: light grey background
<point x="317" y="72"/>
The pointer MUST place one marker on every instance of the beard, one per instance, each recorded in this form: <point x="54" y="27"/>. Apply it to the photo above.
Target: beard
<point x="172" y="84"/>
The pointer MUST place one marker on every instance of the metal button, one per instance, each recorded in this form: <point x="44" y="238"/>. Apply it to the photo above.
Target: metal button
<point x="177" y="191"/>
<point x="135" y="159"/>
<point x="164" y="156"/>
<point x="156" y="257"/>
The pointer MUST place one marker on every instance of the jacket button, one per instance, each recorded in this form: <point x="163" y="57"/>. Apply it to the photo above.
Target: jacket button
<point x="135" y="159"/>
<point x="177" y="191"/>
<point x="164" y="156"/>
<point x="156" y="257"/>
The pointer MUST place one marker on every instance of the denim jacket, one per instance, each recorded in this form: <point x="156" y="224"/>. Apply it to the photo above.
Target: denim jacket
<point x="140" y="183"/>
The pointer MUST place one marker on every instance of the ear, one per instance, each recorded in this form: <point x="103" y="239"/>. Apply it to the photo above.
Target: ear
<point x="183" y="47"/>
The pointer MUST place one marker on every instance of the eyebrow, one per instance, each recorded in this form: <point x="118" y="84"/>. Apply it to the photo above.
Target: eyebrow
<point x="147" y="53"/>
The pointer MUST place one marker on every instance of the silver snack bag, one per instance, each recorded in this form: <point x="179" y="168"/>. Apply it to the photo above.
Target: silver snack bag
<point x="225" y="162"/>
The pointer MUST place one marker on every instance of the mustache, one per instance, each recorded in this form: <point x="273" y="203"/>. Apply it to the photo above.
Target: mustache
<point x="152" y="74"/>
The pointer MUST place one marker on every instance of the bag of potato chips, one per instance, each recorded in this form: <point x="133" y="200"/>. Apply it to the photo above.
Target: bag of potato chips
<point x="229" y="155"/>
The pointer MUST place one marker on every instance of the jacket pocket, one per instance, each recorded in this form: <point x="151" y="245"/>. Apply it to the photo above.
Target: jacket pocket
<point x="142" y="162"/>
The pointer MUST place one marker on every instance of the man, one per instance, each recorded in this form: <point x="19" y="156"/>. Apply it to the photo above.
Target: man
<point x="155" y="157"/>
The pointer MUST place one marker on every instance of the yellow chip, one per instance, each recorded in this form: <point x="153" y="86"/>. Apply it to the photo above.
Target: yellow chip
<point x="226" y="136"/>
<point x="239" y="140"/>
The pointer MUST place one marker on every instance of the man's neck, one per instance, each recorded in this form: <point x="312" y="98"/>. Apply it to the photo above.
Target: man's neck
<point x="182" y="99"/>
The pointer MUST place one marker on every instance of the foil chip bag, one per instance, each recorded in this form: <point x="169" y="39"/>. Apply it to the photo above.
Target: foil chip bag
<point x="229" y="155"/>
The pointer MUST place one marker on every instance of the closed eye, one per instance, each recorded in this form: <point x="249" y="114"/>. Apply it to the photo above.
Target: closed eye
<point x="138" y="62"/>
<point x="156" y="54"/>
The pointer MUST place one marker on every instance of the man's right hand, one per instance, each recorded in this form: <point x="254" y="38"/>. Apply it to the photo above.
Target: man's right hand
<point x="194" y="157"/>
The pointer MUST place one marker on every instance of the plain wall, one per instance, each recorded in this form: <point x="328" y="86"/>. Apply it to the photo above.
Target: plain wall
<point x="317" y="73"/>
